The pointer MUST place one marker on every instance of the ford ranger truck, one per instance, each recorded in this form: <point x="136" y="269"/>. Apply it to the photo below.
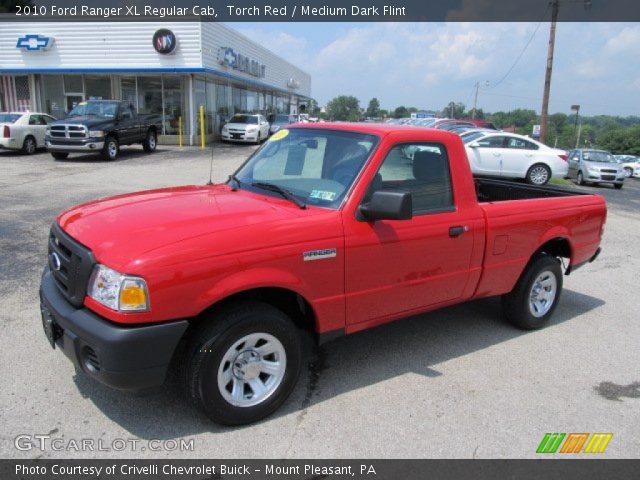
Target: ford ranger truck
<point x="101" y="127"/>
<point x="326" y="228"/>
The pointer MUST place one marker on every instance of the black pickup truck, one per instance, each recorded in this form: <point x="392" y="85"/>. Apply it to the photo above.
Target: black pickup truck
<point x="100" y="126"/>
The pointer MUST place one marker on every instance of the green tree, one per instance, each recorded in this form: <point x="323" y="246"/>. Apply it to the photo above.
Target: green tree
<point x="373" y="110"/>
<point x="401" y="112"/>
<point x="344" y="108"/>
<point x="454" y="110"/>
<point x="621" y="141"/>
<point x="313" y="109"/>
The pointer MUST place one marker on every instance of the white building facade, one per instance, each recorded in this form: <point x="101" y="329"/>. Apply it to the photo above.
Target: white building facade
<point x="164" y="70"/>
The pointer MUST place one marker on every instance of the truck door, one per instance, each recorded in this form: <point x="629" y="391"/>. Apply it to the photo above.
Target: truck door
<point x="399" y="266"/>
<point x="127" y="127"/>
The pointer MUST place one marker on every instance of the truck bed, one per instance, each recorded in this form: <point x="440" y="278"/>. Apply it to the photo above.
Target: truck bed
<point x="490" y="190"/>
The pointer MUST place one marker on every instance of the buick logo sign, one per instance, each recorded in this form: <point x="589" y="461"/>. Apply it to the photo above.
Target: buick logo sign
<point x="55" y="261"/>
<point x="164" y="41"/>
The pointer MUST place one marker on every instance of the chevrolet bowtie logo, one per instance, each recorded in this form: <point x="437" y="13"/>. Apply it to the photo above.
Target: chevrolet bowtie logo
<point x="34" y="42"/>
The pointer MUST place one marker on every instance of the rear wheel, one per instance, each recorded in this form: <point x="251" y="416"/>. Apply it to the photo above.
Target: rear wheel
<point x="29" y="145"/>
<point x="628" y="172"/>
<point x="243" y="363"/>
<point x="59" y="155"/>
<point x="538" y="174"/>
<point x="150" y="142"/>
<point x="111" y="149"/>
<point x="534" y="298"/>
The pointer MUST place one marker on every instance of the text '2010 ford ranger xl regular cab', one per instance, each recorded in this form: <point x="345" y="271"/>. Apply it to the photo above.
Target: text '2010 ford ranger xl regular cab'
<point x="330" y="228"/>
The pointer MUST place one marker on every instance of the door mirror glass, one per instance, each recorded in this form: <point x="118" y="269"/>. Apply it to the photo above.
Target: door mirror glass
<point x="474" y="144"/>
<point x="388" y="205"/>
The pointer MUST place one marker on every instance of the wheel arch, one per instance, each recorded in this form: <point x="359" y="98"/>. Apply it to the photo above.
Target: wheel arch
<point x="555" y="244"/>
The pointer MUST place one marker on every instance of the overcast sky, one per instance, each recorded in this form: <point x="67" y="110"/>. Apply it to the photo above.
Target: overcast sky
<point x="427" y="65"/>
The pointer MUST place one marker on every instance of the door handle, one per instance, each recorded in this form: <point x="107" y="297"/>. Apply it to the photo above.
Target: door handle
<point x="496" y="154"/>
<point x="457" y="230"/>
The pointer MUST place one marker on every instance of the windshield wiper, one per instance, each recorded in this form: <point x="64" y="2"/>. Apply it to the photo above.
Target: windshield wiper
<point x="236" y="182"/>
<point x="282" y="191"/>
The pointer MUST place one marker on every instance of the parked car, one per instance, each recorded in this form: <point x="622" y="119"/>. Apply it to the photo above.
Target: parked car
<point x="595" y="166"/>
<point x="448" y="124"/>
<point x="234" y="274"/>
<point x="509" y="155"/>
<point x="245" y="127"/>
<point x="280" y="120"/>
<point x="23" y="130"/>
<point x="630" y="163"/>
<point x="473" y="133"/>
<point x="101" y="127"/>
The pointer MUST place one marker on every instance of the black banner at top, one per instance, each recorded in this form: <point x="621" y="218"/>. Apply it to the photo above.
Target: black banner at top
<point x="321" y="10"/>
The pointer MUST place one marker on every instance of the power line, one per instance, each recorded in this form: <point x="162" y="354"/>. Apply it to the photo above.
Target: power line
<point x="524" y="49"/>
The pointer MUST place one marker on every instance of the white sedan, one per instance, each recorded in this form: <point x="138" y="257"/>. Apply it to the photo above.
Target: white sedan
<point x="509" y="155"/>
<point x="244" y="127"/>
<point x="23" y="130"/>
<point x="630" y="164"/>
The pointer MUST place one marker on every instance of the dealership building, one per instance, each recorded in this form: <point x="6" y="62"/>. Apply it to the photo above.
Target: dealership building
<point x="166" y="71"/>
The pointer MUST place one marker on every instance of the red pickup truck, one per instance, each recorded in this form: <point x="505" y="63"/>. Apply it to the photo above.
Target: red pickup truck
<point x="327" y="228"/>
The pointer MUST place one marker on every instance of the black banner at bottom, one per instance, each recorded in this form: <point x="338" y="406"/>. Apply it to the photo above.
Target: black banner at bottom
<point x="316" y="469"/>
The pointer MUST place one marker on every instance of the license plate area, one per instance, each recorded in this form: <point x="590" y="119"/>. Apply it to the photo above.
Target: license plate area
<point x="52" y="330"/>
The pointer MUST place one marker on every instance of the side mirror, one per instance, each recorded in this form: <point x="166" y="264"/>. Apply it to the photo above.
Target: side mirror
<point x="388" y="205"/>
<point x="473" y="145"/>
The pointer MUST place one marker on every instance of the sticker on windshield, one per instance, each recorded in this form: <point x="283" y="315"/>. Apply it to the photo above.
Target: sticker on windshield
<point x="82" y="103"/>
<point x="279" y="135"/>
<point x="322" y="195"/>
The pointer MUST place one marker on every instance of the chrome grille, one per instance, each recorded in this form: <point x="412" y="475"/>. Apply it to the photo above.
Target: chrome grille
<point x="69" y="131"/>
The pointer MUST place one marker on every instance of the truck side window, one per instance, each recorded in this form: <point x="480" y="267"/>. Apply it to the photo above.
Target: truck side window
<point x="423" y="170"/>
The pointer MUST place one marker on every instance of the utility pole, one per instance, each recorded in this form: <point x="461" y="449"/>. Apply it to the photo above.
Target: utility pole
<point x="555" y="6"/>
<point x="475" y="101"/>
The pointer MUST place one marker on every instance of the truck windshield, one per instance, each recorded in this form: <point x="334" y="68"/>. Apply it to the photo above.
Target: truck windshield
<point x="317" y="166"/>
<point x="98" y="109"/>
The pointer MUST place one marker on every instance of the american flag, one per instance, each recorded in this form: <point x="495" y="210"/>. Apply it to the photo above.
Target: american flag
<point x="14" y="100"/>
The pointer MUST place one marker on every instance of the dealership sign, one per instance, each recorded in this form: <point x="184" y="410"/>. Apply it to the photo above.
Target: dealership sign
<point x="164" y="41"/>
<point x="34" y="42"/>
<point x="227" y="56"/>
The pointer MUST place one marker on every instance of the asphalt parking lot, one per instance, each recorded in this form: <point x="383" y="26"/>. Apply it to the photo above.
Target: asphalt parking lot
<point x="458" y="383"/>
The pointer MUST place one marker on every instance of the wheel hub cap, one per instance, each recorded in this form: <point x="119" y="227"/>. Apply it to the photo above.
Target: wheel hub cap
<point x="252" y="369"/>
<point x="543" y="294"/>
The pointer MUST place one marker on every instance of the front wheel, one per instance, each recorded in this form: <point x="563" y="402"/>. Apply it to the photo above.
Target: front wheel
<point x="538" y="174"/>
<point x="534" y="298"/>
<point x="150" y="142"/>
<point x="111" y="149"/>
<point x="580" y="179"/>
<point x="618" y="186"/>
<point x="628" y="172"/>
<point x="243" y="363"/>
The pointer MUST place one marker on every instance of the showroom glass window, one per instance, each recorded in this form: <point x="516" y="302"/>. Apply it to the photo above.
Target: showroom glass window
<point x="173" y="94"/>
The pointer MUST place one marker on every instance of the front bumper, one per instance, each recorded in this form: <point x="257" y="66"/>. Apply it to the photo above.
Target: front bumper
<point x="127" y="358"/>
<point x="85" y="145"/>
<point x="609" y="178"/>
<point x="244" y="137"/>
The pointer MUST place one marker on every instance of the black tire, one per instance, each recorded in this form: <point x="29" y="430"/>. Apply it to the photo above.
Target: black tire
<point x="150" y="142"/>
<point x="216" y="338"/>
<point x="580" y="179"/>
<point x="517" y="303"/>
<point x="59" y="155"/>
<point x="618" y="186"/>
<point x="29" y="145"/>
<point x="111" y="149"/>
<point x="259" y="140"/>
<point x="538" y="174"/>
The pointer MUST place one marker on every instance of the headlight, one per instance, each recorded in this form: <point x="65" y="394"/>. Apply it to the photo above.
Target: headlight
<point x="117" y="291"/>
<point x="252" y="128"/>
<point x="47" y="132"/>
<point x="96" y="133"/>
<point x="225" y="128"/>
<point x="593" y="170"/>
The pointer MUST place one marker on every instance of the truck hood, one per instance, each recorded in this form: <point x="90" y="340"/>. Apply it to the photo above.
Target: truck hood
<point x="89" y="121"/>
<point x="120" y="230"/>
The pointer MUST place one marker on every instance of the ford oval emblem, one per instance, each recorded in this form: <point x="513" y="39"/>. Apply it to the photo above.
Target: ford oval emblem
<point x="55" y="261"/>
